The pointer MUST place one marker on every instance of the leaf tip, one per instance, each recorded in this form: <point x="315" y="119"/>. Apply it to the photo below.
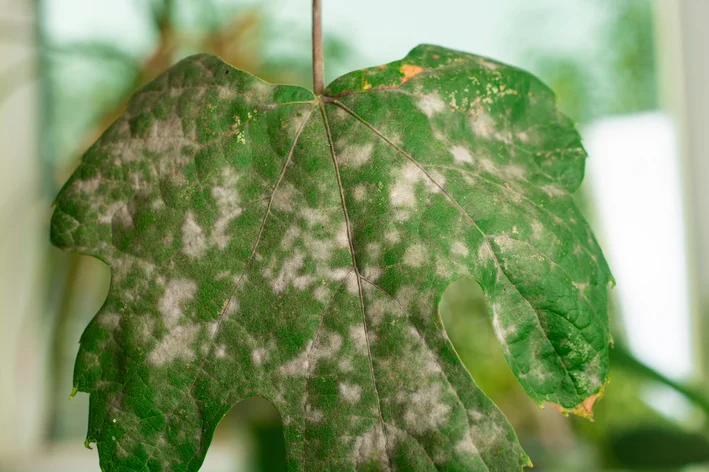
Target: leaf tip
<point x="583" y="409"/>
<point x="74" y="391"/>
<point x="87" y="443"/>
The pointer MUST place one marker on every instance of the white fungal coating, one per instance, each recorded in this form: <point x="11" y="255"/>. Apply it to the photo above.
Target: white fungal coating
<point x="431" y="104"/>
<point x="194" y="242"/>
<point x="461" y="154"/>
<point x="350" y="393"/>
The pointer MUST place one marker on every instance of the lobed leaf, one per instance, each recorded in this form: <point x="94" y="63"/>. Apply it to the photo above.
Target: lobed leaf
<point x="265" y="241"/>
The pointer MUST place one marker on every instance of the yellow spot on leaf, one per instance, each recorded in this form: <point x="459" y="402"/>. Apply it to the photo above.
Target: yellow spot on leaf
<point x="409" y="71"/>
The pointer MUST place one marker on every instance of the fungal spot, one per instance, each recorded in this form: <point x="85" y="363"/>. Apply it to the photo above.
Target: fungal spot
<point x="87" y="186"/>
<point x="284" y="197"/>
<point x="372" y="448"/>
<point x="350" y="393"/>
<point x="313" y="415"/>
<point x="327" y="346"/>
<point x="174" y="345"/>
<point x="426" y="410"/>
<point x="360" y="192"/>
<point x="537" y="230"/>
<point x="483" y="126"/>
<point x="460" y="154"/>
<point x="553" y="190"/>
<point x="123" y="217"/>
<point x="177" y="292"/>
<point x="220" y="352"/>
<point x="109" y="320"/>
<point x="356" y="155"/>
<point x="259" y="356"/>
<point x="193" y="240"/>
<point x="345" y="365"/>
<point x="466" y="446"/>
<point x="458" y="248"/>
<point x="431" y="104"/>
<point x="403" y="191"/>
<point x="359" y="339"/>
<point x="321" y="294"/>
<point x="409" y="71"/>
<point x="415" y="255"/>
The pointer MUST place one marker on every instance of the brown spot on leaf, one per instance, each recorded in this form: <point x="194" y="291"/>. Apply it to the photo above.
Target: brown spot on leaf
<point x="583" y="409"/>
<point x="409" y="71"/>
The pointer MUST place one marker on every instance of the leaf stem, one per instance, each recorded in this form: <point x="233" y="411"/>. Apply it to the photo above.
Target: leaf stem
<point x="318" y="59"/>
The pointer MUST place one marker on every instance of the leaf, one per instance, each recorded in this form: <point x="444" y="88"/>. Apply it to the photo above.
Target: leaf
<point x="264" y="241"/>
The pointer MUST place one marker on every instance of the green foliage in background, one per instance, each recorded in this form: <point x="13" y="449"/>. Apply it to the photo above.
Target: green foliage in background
<point x="266" y="241"/>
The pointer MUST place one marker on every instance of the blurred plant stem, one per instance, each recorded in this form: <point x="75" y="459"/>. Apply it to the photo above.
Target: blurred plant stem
<point x="621" y="357"/>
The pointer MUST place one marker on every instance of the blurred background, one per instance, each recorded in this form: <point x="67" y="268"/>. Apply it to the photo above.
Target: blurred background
<point x="634" y="74"/>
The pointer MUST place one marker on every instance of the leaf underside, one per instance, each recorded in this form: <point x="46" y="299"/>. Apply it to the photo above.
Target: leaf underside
<point x="265" y="241"/>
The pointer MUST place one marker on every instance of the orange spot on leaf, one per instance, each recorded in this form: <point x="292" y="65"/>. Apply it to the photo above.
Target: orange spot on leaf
<point x="583" y="409"/>
<point x="409" y="72"/>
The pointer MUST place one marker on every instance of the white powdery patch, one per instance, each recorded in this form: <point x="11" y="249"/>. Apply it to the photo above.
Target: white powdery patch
<point x="291" y="235"/>
<point x="459" y="248"/>
<point x="327" y="346"/>
<point x="403" y="191"/>
<point x="194" y="244"/>
<point x="212" y="328"/>
<point x="360" y="192"/>
<point x="431" y="104"/>
<point x="553" y="190"/>
<point x="289" y="274"/>
<point x="372" y="448"/>
<point x="259" y="356"/>
<point x="314" y="216"/>
<point x="426" y="410"/>
<point x="341" y="237"/>
<point x="416" y="255"/>
<point x="392" y="236"/>
<point x="466" y="446"/>
<point x="488" y="64"/>
<point x="355" y="155"/>
<point x="232" y="306"/>
<point x="537" y="230"/>
<point x="372" y="273"/>
<point x="461" y="154"/>
<point x="106" y="216"/>
<point x="284" y="197"/>
<point x="515" y="171"/>
<point x="359" y="339"/>
<point x="220" y="351"/>
<point x="379" y="308"/>
<point x="374" y="250"/>
<point x="177" y="292"/>
<point x="485" y="252"/>
<point x="350" y="393"/>
<point x="501" y="332"/>
<point x="345" y="365"/>
<point x="174" y="345"/>
<point x="313" y="415"/>
<point x="352" y="284"/>
<point x="229" y="210"/>
<point x="483" y="126"/>
<point x="87" y="186"/>
<point x="321" y="294"/>
<point x="109" y="320"/>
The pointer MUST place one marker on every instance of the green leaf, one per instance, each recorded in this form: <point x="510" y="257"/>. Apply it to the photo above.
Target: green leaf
<point x="264" y="241"/>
